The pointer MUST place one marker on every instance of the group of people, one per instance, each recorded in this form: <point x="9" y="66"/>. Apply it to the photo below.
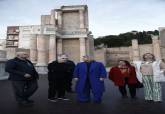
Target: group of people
<point x="149" y="74"/>
<point x="89" y="77"/>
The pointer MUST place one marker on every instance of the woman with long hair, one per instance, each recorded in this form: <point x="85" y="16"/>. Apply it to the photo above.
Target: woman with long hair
<point x="150" y="69"/>
<point x="122" y="75"/>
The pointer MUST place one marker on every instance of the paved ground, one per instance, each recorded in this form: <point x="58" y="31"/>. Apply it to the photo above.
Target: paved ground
<point x="112" y="103"/>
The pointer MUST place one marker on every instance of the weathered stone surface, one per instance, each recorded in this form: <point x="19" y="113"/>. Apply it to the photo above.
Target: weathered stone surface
<point x="72" y="48"/>
<point x="135" y="50"/>
<point x="156" y="47"/>
<point x="65" y="30"/>
<point x="3" y="74"/>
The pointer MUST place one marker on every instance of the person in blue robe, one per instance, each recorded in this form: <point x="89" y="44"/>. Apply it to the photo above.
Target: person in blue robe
<point x="89" y="76"/>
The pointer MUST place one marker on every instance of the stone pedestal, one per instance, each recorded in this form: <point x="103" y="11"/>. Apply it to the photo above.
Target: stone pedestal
<point x="52" y="48"/>
<point x="82" y="48"/>
<point x="156" y="47"/>
<point x="135" y="50"/>
<point x="33" y="48"/>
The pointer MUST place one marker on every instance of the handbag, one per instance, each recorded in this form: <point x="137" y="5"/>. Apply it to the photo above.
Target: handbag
<point x="139" y="85"/>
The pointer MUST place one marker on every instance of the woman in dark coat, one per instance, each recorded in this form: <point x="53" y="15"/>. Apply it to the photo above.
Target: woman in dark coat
<point x="124" y="74"/>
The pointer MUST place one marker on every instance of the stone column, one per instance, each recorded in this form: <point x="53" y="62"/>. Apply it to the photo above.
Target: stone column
<point x="162" y="41"/>
<point x="59" y="18"/>
<point x="3" y="75"/>
<point x="162" y="36"/>
<point x="135" y="50"/>
<point x="86" y="19"/>
<point x="11" y="53"/>
<point x="82" y="23"/>
<point x="82" y="48"/>
<point x="59" y="46"/>
<point x="156" y="47"/>
<point x="33" y="48"/>
<point x="52" y="18"/>
<point x="52" y="48"/>
<point x="41" y="48"/>
<point x="90" y="46"/>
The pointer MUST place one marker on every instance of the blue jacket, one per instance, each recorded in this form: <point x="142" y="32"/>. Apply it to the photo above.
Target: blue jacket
<point x="97" y="71"/>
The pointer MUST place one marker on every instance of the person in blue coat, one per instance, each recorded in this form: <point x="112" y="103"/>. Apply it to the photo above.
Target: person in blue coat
<point x="89" y="76"/>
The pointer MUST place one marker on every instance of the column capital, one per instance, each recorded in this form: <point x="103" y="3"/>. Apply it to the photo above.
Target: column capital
<point x="81" y="10"/>
<point x="52" y="36"/>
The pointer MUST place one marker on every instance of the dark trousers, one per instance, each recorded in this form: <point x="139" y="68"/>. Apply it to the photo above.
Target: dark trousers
<point x="57" y="88"/>
<point x="69" y="83"/>
<point x="24" y="89"/>
<point x="132" y="89"/>
<point x="84" y="96"/>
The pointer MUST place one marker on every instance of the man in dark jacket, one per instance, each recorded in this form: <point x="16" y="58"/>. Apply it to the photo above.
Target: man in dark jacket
<point x="23" y="77"/>
<point x="71" y="67"/>
<point x="57" y="77"/>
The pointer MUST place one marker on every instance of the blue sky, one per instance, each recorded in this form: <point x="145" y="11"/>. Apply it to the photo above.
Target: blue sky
<point x="105" y="16"/>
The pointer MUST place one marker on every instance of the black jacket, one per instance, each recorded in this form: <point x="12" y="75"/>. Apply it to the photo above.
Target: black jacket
<point x="17" y="68"/>
<point x="57" y="71"/>
<point x="71" y="66"/>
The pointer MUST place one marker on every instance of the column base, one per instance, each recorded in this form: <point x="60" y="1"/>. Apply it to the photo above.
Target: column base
<point x="41" y="69"/>
<point x="4" y="77"/>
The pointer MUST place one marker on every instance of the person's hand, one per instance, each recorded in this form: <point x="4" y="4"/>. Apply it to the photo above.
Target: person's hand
<point x="76" y="79"/>
<point x="27" y="75"/>
<point x="101" y="79"/>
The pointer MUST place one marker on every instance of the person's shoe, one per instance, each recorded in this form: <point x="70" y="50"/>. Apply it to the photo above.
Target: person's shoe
<point x="70" y="91"/>
<point x="30" y="101"/>
<point x="125" y="96"/>
<point x="83" y="101"/>
<point x="134" y="98"/>
<point x="52" y="99"/>
<point x="25" y="103"/>
<point x="63" y="98"/>
<point x="158" y="102"/>
<point x="97" y="102"/>
<point x="149" y="101"/>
